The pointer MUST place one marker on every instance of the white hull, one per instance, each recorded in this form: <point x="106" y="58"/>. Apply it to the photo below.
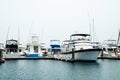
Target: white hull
<point x="83" y="55"/>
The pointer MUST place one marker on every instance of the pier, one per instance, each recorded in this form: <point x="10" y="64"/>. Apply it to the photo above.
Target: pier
<point x="56" y="57"/>
<point x="48" y="57"/>
<point x="51" y="57"/>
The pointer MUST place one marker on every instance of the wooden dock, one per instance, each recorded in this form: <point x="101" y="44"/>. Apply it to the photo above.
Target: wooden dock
<point x="18" y="57"/>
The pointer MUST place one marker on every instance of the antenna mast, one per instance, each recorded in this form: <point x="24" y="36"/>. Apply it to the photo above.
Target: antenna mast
<point x="118" y="42"/>
<point x="7" y="33"/>
<point x="93" y="31"/>
<point x="29" y="33"/>
<point x="89" y="27"/>
<point x="18" y="35"/>
<point x="42" y="34"/>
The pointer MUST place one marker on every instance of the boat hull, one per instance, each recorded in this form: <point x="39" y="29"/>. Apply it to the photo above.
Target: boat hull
<point x="31" y="55"/>
<point x="83" y="55"/>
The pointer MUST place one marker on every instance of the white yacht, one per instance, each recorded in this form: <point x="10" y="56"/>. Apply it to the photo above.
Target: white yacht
<point x="80" y="47"/>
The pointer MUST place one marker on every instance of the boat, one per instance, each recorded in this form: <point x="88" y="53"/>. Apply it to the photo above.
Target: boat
<point x="111" y="47"/>
<point x="43" y="49"/>
<point x="33" y="48"/>
<point x="80" y="47"/>
<point x="110" y="44"/>
<point x="11" y="46"/>
<point x="21" y="50"/>
<point x="55" y="46"/>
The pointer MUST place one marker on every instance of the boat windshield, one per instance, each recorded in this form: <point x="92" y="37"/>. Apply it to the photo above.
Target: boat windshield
<point x="76" y="38"/>
<point x="11" y="42"/>
<point x="110" y="42"/>
<point x="54" y="42"/>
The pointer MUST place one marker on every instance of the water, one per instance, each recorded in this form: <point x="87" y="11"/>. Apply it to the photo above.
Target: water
<point x="59" y="70"/>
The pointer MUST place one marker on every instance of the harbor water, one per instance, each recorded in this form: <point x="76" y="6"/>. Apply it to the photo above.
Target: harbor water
<point x="59" y="70"/>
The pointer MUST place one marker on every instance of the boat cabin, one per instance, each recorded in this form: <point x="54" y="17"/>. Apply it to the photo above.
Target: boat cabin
<point x="55" y="46"/>
<point x="11" y="46"/>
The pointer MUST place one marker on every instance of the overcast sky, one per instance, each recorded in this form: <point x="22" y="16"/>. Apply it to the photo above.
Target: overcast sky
<point x="58" y="19"/>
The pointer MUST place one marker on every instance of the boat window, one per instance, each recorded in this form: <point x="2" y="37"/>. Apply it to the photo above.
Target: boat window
<point x="55" y="42"/>
<point x="35" y="48"/>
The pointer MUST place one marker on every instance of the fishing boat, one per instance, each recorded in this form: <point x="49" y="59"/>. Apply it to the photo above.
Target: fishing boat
<point x="55" y="46"/>
<point x="110" y="44"/>
<point x="80" y="47"/>
<point x="109" y="48"/>
<point x="12" y="48"/>
<point x="33" y="49"/>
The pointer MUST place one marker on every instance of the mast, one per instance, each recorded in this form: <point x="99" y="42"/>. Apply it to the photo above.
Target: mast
<point x="89" y="27"/>
<point x="42" y="34"/>
<point x="7" y="33"/>
<point x="18" y="35"/>
<point x="29" y="34"/>
<point x="18" y="38"/>
<point x="118" y="42"/>
<point x="93" y="31"/>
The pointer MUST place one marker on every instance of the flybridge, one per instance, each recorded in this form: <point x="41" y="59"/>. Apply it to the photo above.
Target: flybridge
<point x="11" y="46"/>
<point x="80" y="35"/>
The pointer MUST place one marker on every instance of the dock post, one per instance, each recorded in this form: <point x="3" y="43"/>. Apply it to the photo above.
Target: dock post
<point x="1" y="56"/>
<point x="101" y="53"/>
<point x="73" y="56"/>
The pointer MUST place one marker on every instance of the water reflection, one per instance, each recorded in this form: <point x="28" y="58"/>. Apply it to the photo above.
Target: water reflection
<point x="59" y="70"/>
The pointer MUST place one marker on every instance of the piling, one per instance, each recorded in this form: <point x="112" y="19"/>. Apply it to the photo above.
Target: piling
<point x="1" y="56"/>
<point x="101" y="53"/>
<point x="73" y="55"/>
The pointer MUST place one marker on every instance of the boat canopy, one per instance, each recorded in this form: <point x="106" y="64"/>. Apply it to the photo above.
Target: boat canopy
<point x="55" y="43"/>
<point x="54" y="40"/>
<point x="80" y="35"/>
<point x="12" y="40"/>
<point x="9" y="42"/>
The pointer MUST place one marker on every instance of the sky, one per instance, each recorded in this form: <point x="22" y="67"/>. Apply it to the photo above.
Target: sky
<point x="58" y="19"/>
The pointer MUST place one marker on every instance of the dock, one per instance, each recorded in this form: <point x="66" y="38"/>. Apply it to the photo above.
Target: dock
<point x="50" y="57"/>
<point x="35" y="58"/>
<point x="18" y="57"/>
